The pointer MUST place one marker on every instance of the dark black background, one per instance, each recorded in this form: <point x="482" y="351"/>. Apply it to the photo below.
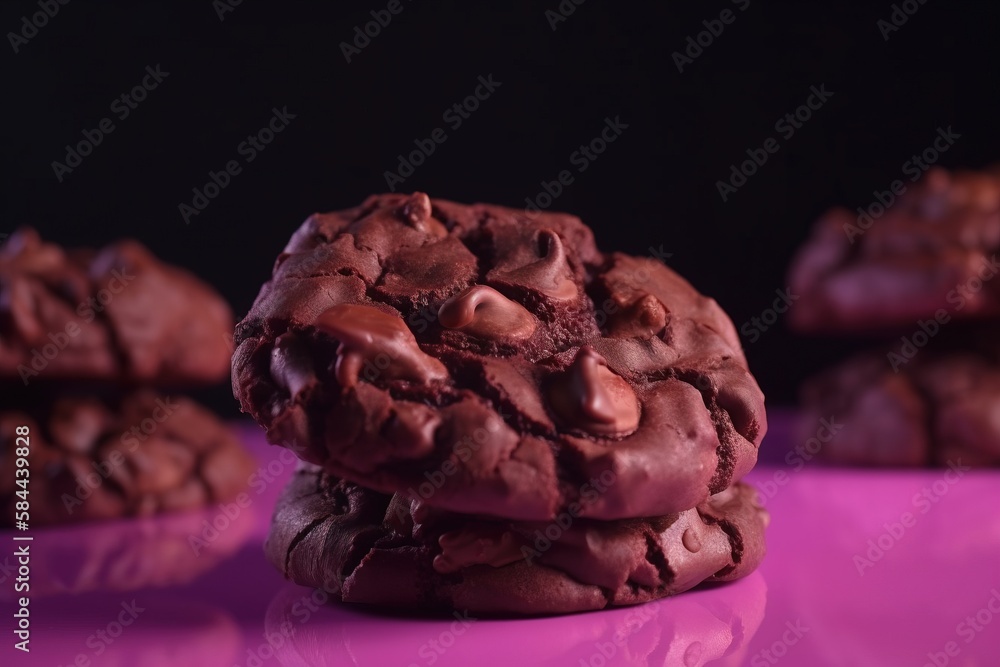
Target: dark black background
<point x="655" y="186"/>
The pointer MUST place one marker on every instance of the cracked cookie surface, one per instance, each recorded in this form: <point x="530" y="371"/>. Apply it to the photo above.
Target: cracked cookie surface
<point x="492" y="361"/>
<point x="365" y="547"/>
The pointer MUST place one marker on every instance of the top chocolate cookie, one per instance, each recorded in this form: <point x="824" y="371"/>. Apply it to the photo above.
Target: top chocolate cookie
<point x="931" y="254"/>
<point x="118" y="314"/>
<point x="487" y="360"/>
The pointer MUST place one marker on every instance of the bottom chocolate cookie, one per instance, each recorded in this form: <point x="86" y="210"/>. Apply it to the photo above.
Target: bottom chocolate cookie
<point x="938" y="409"/>
<point x="366" y="547"/>
<point x="91" y="458"/>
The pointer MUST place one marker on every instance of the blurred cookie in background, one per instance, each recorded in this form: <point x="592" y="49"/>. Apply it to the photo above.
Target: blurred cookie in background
<point x="117" y="314"/>
<point x="917" y="273"/>
<point x="930" y="253"/>
<point x="99" y="458"/>
<point x="87" y="340"/>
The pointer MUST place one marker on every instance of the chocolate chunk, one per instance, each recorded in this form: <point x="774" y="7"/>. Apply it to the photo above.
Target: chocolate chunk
<point x="369" y="336"/>
<point x="592" y="398"/>
<point x="486" y="313"/>
<point x="417" y="212"/>
<point x="541" y="265"/>
<point x="477" y="545"/>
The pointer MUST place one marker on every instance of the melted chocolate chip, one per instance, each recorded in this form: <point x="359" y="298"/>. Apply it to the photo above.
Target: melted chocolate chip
<point x="643" y="318"/>
<point x="486" y="313"/>
<point x="414" y="426"/>
<point x="378" y="344"/>
<point x="691" y="541"/>
<point x="292" y="365"/>
<point x="590" y="396"/>
<point x="417" y="213"/>
<point x="550" y="273"/>
<point x="477" y="545"/>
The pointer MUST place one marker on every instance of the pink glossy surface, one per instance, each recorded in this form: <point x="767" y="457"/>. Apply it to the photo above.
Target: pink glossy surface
<point x="219" y="607"/>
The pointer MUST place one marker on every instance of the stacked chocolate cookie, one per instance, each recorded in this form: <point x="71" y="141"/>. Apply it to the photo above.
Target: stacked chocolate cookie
<point x="495" y="416"/>
<point x="923" y="276"/>
<point x="85" y="336"/>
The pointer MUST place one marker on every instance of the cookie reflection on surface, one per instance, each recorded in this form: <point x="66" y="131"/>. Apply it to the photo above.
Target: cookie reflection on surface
<point x="165" y="632"/>
<point x="131" y="554"/>
<point x="712" y="626"/>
